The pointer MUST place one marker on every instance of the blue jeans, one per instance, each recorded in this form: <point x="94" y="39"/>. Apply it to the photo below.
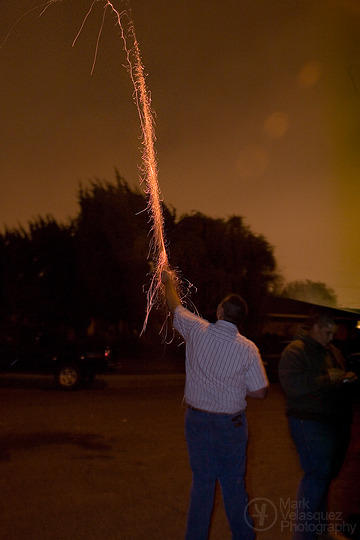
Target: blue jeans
<point x="316" y="443"/>
<point x="217" y="451"/>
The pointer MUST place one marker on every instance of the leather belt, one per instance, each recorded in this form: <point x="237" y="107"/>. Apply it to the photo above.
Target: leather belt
<point x="236" y="414"/>
<point x="235" y="417"/>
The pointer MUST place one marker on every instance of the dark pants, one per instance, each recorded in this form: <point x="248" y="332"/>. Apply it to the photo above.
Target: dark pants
<point x="217" y="451"/>
<point x="319" y="446"/>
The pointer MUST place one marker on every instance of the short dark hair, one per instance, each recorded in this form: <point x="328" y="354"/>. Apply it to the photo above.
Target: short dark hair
<point x="321" y="318"/>
<point x="235" y="309"/>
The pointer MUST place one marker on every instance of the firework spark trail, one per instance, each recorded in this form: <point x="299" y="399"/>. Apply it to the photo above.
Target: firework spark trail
<point x="149" y="162"/>
<point x="143" y="102"/>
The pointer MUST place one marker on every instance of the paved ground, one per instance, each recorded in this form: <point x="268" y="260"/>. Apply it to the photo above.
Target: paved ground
<point x="109" y="462"/>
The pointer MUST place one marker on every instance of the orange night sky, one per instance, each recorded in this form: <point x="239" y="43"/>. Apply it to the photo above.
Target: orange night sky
<point x="257" y="114"/>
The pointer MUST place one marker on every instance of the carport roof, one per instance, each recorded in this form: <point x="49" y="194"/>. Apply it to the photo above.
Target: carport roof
<point x="280" y="307"/>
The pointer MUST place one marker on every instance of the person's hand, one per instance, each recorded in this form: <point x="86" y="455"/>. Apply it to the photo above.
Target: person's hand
<point x="171" y="295"/>
<point x="335" y="374"/>
<point x="350" y="376"/>
<point x="165" y="277"/>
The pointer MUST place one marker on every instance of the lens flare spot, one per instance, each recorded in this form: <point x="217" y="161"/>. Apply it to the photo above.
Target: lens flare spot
<point x="276" y="125"/>
<point x="309" y="74"/>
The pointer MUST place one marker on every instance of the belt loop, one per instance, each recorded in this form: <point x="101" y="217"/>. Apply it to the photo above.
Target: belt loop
<point x="237" y="420"/>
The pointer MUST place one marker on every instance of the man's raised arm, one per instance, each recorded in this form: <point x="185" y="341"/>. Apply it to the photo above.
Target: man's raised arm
<point x="171" y="295"/>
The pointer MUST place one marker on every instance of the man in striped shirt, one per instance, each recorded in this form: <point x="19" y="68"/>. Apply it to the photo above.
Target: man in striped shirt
<point x="222" y="368"/>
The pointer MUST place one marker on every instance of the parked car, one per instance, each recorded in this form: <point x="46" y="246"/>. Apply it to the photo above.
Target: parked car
<point x="71" y="364"/>
<point x="79" y="365"/>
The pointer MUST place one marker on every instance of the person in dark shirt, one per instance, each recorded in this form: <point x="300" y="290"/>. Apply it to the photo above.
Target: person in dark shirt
<point x="312" y="374"/>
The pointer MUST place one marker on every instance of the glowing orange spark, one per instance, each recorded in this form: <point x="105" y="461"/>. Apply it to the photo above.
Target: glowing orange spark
<point x="149" y="162"/>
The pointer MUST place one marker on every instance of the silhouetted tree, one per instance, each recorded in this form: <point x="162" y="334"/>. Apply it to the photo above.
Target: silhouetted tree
<point x="96" y="267"/>
<point x="38" y="272"/>
<point x="220" y="257"/>
<point x="53" y="271"/>
<point x="315" y="292"/>
<point x="16" y="259"/>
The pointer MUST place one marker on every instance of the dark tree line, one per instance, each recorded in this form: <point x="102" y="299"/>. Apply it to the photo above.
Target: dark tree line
<point x="95" y="268"/>
<point x="315" y="292"/>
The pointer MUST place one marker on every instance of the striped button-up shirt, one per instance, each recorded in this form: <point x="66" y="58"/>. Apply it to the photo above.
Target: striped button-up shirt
<point x="221" y="364"/>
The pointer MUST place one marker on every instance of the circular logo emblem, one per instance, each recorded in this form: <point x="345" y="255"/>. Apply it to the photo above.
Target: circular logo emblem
<point x="263" y="513"/>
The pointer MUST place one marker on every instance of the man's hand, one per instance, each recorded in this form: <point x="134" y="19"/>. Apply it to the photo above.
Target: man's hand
<point x="339" y="376"/>
<point x="165" y="277"/>
<point x="171" y="294"/>
<point x="349" y="377"/>
<point x="335" y="374"/>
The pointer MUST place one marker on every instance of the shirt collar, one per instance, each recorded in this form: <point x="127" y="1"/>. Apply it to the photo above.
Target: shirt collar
<point x="227" y="325"/>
